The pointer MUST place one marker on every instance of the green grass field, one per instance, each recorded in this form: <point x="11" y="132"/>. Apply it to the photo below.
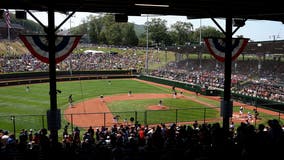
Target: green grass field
<point x="29" y="108"/>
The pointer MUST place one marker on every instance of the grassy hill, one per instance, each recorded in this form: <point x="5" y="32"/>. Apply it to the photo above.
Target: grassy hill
<point x="12" y="47"/>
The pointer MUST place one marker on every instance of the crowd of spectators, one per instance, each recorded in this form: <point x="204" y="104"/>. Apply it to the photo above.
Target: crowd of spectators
<point x="75" y="62"/>
<point x="248" y="78"/>
<point x="137" y="142"/>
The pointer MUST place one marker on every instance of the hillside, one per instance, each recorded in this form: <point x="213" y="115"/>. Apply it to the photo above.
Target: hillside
<point x="139" y="29"/>
<point x="16" y="47"/>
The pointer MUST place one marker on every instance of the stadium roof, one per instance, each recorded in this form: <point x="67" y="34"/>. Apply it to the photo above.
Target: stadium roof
<point x="247" y="9"/>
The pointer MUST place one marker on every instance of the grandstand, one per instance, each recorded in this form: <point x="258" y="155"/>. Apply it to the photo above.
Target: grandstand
<point x="260" y="48"/>
<point x="162" y="141"/>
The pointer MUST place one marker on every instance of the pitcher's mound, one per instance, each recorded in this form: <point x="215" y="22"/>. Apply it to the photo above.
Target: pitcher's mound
<point x="157" y="107"/>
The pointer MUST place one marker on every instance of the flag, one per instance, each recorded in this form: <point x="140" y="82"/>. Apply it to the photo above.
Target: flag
<point x="7" y="18"/>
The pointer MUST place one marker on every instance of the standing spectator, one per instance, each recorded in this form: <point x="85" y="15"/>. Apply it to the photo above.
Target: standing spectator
<point x="76" y="134"/>
<point x="65" y="131"/>
<point x="44" y="142"/>
<point x="232" y="126"/>
<point x="115" y="119"/>
<point x="4" y="137"/>
<point x="195" y="125"/>
<point x="30" y="135"/>
<point x="141" y="136"/>
<point x="91" y="131"/>
<point x="125" y="121"/>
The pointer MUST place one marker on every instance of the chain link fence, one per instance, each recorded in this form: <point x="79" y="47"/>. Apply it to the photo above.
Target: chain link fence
<point x="15" y="123"/>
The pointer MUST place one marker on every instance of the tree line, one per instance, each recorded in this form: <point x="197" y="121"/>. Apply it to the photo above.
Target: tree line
<point x="103" y="29"/>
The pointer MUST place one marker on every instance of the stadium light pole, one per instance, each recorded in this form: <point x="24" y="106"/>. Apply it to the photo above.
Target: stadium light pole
<point x="166" y="55"/>
<point x="70" y="59"/>
<point x="147" y="45"/>
<point x="200" y="23"/>
<point x="200" y="43"/>
<point x="166" y="60"/>
<point x="259" y="60"/>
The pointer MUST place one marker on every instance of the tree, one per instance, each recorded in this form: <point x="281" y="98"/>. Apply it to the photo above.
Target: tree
<point x="110" y="33"/>
<point x="129" y="35"/>
<point x="157" y="30"/>
<point x="142" y="40"/>
<point x="180" y="32"/>
<point x="95" y="28"/>
<point x="113" y="34"/>
<point x="206" y="31"/>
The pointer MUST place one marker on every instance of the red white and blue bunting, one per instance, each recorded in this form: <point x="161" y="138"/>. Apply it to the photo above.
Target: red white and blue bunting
<point x="38" y="46"/>
<point x="216" y="47"/>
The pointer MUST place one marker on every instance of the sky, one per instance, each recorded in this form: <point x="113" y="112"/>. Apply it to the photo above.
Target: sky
<point x="255" y="30"/>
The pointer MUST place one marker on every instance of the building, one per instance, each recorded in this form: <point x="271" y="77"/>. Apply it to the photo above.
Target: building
<point x="14" y="31"/>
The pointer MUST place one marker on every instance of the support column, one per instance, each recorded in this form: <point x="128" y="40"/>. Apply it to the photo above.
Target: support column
<point x="53" y="114"/>
<point x="227" y="104"/>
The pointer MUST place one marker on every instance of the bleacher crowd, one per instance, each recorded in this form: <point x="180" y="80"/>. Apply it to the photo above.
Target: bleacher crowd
<point x="247" y="78"/>
<point x="136" y="142"/>
<point x="75" y="62"/>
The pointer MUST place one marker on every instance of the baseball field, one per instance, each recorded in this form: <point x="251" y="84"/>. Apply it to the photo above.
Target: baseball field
<point x="25" y="106"/>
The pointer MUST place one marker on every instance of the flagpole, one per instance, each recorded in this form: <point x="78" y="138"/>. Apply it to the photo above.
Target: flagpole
<point x="147" y="46"/>
<point x="70" y="59"/>
<point x="7" y="17"/>
<point x="9" y="38"/>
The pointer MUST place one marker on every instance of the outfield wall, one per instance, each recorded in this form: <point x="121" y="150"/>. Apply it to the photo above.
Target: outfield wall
<point x="187" y="86"/>
<point x="42" y="77"/>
